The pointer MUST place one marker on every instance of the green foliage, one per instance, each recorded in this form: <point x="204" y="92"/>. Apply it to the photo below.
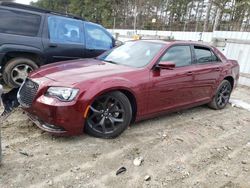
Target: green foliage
<point x="188" y="15"/>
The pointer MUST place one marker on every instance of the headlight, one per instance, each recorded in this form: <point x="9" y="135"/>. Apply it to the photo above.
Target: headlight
<point x="62" y="93"/>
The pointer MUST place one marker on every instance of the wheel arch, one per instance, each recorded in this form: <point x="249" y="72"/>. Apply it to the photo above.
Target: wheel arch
<point x="230" y="79"/>
<point x="36" y="57"/>
<point x="127" y="92"/>
<point x="133" y="102"/>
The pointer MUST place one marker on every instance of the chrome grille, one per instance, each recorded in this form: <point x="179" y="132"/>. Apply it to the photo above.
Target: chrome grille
<point x="27" y="93"/>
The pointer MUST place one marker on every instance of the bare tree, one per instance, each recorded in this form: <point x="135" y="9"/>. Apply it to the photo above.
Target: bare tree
<point x="217" y="19"/>
<point x="199" y="15"/>
<point x="207" y="17"/>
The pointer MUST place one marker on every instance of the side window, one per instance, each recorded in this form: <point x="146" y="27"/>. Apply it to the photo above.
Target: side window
<point x="19" y="23"/>
<point x="65" y="30"/>
<point x="180" y="55"/>
<point x="204" y="55"/>
<point x="97" y="38"/>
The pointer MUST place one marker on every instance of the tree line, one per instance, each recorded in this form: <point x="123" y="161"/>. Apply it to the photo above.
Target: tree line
<point x="173" y="15"/>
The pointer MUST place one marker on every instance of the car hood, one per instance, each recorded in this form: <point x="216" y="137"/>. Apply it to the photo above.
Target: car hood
<point x="79" y="70"/>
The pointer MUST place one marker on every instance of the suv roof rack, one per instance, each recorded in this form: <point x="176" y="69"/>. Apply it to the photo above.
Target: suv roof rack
<point x="36" y="9"/>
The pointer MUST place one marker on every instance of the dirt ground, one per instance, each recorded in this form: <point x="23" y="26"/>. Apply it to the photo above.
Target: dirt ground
<point x="198" y="147"/>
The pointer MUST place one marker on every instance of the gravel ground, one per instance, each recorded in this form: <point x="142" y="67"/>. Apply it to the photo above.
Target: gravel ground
<point x="198" y="147"/>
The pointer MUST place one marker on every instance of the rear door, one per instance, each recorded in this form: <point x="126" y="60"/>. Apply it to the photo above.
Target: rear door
<point x="206" y="70"/>
<point x="63" y="38"/>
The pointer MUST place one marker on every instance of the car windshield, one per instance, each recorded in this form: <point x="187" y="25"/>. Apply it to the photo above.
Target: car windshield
<point x="134" y="54"/>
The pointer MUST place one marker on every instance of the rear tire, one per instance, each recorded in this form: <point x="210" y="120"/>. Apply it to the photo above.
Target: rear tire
<point x="16" y="70"/>
<point x="222" y="96"/>
<point x="109" y="115"/>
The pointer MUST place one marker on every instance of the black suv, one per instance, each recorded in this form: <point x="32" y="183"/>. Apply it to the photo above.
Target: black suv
<point x="31" y="37"/>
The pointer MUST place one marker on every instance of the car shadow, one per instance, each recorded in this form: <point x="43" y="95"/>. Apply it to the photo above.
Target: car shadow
<point x="147" y="124"/>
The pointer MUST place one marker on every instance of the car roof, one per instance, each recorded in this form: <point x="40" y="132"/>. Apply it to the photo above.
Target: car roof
<point x="168" y="42"/>
<point x="36" y="9"/>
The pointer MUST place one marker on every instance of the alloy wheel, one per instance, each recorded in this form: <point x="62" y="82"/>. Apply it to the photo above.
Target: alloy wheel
<point x="106" y="114"/>
<point x="223" y="95"/>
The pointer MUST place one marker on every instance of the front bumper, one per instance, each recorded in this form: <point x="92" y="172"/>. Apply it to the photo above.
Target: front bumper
<point x="45" y="126"/>
<point x="51" y="114"/>
<point x="56" y="117"/>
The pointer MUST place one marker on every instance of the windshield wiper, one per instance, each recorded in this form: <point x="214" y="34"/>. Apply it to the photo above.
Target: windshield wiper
<point x="109" y="61"/>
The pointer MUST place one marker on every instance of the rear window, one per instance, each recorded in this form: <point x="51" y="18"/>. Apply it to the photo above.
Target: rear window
<point x="204" y="55"/>
<point x="19" y="23"/>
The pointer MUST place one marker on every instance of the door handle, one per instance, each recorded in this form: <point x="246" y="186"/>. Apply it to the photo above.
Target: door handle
<point x="189" y="73"/>
<point x="217" y="69"/>
<point x="53" y="45"/>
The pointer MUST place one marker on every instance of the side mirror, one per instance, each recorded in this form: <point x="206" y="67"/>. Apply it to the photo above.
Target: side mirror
<point x="118" y="43"/>
<point x="166" y="65"/>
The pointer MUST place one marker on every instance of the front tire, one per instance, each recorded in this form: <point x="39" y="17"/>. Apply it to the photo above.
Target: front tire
<point x="16" y="70"/>
<point x="222" y="96"/>
<point x="109" y="115"/>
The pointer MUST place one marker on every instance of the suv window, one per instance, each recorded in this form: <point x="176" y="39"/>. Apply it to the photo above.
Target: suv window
<point x="204" y="55"/>
<point x="19" y="23"/>
<point x="65" y="30"/>
<point x="180" y="55"/>
<point x="97" y="38"/>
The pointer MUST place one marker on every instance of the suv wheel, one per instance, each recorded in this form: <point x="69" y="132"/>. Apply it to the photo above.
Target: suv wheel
<point x="16" y="70"/>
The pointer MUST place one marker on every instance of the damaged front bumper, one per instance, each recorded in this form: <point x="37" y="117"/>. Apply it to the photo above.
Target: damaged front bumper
<point x="45" y="126"/>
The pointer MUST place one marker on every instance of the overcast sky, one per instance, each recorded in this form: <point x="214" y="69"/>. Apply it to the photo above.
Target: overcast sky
<point x="24" y="1"/>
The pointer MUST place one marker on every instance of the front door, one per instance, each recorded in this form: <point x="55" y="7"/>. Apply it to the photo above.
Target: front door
<point x="98" y="40"/>
<point x="63" y="39"/>
<point x="171" y="89"/>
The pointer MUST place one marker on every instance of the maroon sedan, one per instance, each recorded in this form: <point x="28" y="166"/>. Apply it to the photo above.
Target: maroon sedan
<point x="138" y="80"/>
